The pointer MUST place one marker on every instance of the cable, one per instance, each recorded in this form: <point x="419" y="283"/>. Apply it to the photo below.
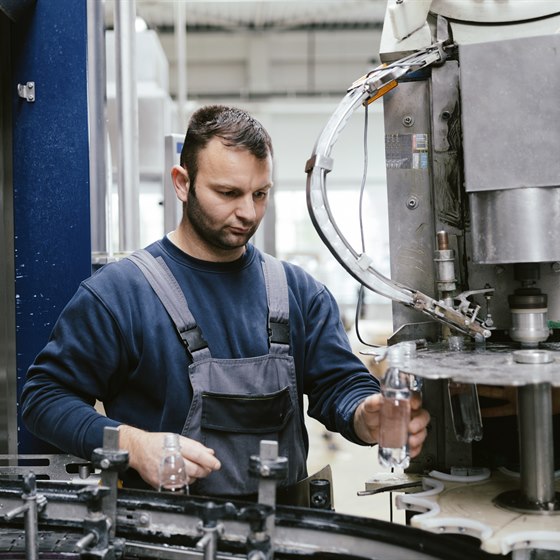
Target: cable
<point x="361" y="291"/>
<point x="360" y="265"/>
<point x="364" y="178"/>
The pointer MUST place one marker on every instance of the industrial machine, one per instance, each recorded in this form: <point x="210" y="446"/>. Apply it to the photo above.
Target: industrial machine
<point x="471" y="113"/>
<point x="50" y="519"/>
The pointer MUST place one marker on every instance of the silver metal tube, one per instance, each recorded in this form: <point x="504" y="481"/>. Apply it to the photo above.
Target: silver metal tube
<point x="267" y="487"/>
<point x="97" y="125"/>
<point x="15" y="512"/>
<point x="209" y="543"/>
<point x="86" y="541"/>
<point x="110" y="478"/>
<point x="9" y="430"/>
<point x="536" y="446"/>
<point x="127" y="116"/>
<point x="31" y="529"/>
<point x="181" y="43"/>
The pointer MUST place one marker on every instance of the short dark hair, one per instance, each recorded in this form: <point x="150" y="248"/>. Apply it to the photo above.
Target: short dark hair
<point x="235" y="128"/>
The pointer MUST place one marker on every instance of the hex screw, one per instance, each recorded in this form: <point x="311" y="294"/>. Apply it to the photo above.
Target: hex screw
<point x="408" y="120"/>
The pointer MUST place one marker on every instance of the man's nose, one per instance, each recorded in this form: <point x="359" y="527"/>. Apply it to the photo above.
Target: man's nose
<point x="246" y="208"/>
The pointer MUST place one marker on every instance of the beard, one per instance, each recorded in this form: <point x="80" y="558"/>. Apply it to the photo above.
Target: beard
<point x="217" y="235"/>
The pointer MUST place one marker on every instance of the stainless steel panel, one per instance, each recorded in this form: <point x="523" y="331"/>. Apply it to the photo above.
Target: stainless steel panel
<point x="411" y="222"/>
<point x="446" y="147"/>
<point x="510" y="113"/>
<point x="519" y="225"/>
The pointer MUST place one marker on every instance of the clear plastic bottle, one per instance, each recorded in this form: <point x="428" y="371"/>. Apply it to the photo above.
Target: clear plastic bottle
<point x="465" y="411"/>
<point x="409" y="353"/>
<point x="395" y="413"/>
<point x="465" y="406"/>
<point x="172" y="470"/>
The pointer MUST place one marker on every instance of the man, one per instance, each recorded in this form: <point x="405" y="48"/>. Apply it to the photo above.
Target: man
<point x="227" y="360"/>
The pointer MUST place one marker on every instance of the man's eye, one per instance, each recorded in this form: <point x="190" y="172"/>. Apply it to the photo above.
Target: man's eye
<point x="260" y="194"/>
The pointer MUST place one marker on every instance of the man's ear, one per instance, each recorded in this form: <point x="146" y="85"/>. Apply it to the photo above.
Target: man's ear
<point x="181" y="182"/>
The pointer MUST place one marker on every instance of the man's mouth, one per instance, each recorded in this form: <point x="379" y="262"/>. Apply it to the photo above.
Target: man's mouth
<point x="240" y="230"/>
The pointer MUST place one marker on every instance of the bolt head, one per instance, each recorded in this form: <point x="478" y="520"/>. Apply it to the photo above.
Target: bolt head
<point x="412" y="203"/>
<point x="408" y="120"/>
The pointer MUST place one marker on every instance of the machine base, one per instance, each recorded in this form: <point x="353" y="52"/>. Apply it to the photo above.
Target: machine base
<point x="514" y="500"/>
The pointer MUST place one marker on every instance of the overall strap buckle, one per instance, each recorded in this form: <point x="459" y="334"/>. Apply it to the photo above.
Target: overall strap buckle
<point x="279" y="333"/>
<point x="193" y="339"/>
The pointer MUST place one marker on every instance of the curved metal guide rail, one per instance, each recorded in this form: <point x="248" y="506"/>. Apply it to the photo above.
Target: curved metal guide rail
<point x="161" y="525"/>
<point x="365" y="90"/>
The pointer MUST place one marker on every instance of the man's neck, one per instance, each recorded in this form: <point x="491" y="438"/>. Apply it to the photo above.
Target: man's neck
<point x="194" y="247"/>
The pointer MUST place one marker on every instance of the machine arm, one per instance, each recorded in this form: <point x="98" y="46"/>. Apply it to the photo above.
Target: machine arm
<point x="365" y="90"/>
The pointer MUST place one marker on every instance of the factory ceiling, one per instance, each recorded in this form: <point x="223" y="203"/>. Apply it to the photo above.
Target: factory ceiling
<point x="235" y="15"/>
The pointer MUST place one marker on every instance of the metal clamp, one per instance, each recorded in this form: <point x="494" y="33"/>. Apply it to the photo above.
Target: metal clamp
<point x="271" y="469"/>
<point x="95" y="543"/>
<point x="110" y="460"/>
<point x="259" y="542"/>
<point x="211" y="529"/>
<point x="208" y="543"/>
<point x="98" y="542"/>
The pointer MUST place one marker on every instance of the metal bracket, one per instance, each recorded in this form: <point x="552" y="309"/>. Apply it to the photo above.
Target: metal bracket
<point x="111" y="460"/>
<point x="27" y="91"/>
<point x="54" y="467"/>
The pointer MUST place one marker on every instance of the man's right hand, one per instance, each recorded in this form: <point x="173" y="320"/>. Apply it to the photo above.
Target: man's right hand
<point x="145" y="450"/>
<point x="366" y="422"/>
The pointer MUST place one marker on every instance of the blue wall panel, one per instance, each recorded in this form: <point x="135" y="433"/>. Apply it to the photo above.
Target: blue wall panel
<point x="51" y="176"/>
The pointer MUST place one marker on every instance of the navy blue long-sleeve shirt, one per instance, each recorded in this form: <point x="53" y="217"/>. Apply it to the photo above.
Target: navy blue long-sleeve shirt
<point x="115" y="343"/>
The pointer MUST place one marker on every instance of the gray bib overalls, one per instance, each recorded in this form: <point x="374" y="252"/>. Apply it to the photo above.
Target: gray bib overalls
<point x="237" y="402"/>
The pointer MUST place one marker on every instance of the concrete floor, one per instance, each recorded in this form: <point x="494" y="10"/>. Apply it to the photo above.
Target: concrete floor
<point x="351" y="466"/>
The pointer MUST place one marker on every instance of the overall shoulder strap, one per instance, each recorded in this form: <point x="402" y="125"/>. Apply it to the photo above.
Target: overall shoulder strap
<point x="278" y="301"/>
<point x="169" y="292"/>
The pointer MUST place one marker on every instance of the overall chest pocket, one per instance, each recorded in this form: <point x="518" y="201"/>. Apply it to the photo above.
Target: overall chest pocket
<point x="246" y="414"/>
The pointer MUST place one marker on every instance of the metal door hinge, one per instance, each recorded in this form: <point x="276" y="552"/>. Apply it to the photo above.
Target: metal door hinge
<point x="27" y="91"/>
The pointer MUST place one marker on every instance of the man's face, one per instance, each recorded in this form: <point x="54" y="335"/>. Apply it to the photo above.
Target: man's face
<point x="230" y="198"/>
